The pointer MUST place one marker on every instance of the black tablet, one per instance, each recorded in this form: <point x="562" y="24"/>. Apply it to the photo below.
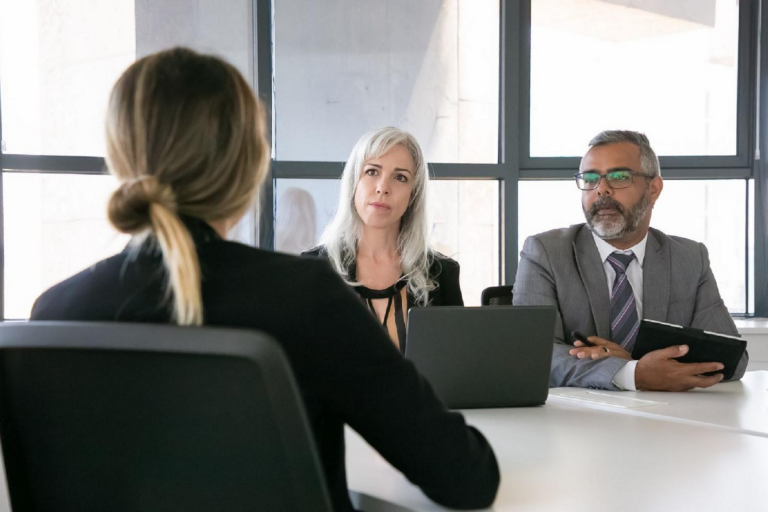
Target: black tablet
<point x="704" y="346"/>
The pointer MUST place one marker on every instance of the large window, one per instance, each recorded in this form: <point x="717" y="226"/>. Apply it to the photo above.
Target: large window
<point x="678" y="71"/>
<point x="668" y="69"/>
<point x="503" y="96"/>
<point x="55" y="225"/>
<point x="343" y="67"/>
<point x="58" y="62"/>
<point x="55" y="80"/>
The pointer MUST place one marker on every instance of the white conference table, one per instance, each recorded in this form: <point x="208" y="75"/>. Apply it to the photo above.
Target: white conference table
<point x="741" y="406"/>
<point x="575" y="456"/>
<point x="705" y="450"/>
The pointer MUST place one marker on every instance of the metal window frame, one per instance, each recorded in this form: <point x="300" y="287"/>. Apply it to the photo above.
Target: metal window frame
<point x="685" y="167"/>
<point x="761" y="168"/>
<point x="514" y="162"/>
<point x="263" y="17"/>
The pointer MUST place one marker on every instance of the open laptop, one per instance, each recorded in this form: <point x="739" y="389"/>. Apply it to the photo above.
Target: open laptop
<point x="479" y="357"/>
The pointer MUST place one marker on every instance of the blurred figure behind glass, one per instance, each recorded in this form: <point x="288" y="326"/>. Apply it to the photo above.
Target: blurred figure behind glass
<point x="295" y="222"/>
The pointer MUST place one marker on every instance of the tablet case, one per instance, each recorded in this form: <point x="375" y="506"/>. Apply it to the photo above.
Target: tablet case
<point x="704" y="346"/>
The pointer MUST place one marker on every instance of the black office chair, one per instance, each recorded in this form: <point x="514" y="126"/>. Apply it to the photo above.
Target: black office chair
<point x="496" y="296"/>
<point x="140" y="417"/>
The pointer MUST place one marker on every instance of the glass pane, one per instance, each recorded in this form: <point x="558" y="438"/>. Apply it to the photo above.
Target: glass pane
<point x="465" y="224"/>
<point x="668" y="69"/>
<point x="304" y="208"/>
<point x="55" y="225"/>
<point x="709" y="211"/>
<point x="60" y="59"/>
<point x="712" y="212"/>
<point x="465" y="216"/>
<point x="343" y="67"/>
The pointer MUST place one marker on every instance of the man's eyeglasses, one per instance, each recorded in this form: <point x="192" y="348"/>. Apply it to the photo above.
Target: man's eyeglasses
<point x="620" y="178"/>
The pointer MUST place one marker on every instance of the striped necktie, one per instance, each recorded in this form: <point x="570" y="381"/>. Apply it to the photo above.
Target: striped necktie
<point x="624" y="319"/>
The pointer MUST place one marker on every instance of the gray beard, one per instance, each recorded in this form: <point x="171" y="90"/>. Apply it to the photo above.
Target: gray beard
<point x="627" y="222"/>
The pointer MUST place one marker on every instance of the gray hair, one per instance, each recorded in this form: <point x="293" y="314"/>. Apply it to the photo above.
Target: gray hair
<point x="649" y="162"/>
<point x="342" y="236"/>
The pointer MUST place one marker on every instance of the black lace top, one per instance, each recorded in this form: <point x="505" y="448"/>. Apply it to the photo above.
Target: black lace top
<point x="444" y="270"/>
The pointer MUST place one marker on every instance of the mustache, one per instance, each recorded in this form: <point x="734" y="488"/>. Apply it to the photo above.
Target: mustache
<point x="606" y="203"/>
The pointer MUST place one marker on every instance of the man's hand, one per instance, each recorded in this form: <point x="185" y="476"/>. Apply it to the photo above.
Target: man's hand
<point x="602" y="348"/>
<point x="658" y="371"/>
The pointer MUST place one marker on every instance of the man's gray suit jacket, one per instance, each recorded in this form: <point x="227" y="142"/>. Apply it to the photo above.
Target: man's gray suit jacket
<point x="562" y="268"/>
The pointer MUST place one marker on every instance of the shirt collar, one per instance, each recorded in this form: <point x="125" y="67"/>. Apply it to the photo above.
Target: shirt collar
<point x="605" y="249"/>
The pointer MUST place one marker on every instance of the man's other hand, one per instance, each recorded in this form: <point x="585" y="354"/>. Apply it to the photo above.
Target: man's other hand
<point x="658" y="371"/>
<point x="602" y="348"/>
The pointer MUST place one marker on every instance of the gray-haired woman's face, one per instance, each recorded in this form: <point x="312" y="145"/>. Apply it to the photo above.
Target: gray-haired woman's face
<point x="384" y="189"/>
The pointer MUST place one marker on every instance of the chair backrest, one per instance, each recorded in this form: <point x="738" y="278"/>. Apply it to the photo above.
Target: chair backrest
<point x="496" y="296"/>
<point x="141" y="417"/>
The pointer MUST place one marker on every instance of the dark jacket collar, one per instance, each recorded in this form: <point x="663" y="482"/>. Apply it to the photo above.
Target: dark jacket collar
<point x="200" y="231"/>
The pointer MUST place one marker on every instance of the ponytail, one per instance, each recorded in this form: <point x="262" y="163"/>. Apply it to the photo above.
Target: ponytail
<point x="144" y="204"/>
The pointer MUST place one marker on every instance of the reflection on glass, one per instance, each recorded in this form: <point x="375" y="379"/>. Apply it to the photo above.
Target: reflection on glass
<point x="344" y="67"/>
<point x="709" y="211"/>
<point x="668" y="69"/>
<point x="295" y="221"/>
<point x="298" y="225"/>
<point x="54" y="226"/>
<point x="465" y="224"/>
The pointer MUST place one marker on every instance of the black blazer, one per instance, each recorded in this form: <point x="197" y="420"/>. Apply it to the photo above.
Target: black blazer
<point x="346" y="367"/>
<point x="444" y="270"/>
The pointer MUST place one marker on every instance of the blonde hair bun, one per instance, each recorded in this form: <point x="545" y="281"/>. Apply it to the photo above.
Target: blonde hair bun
<point x="131" y="204"/>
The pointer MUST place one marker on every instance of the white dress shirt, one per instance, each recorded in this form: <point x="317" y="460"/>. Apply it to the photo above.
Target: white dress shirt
<point x="625" y="378"/>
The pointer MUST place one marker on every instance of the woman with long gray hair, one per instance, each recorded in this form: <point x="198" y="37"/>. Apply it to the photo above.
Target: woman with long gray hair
<point x="379" y="239"/>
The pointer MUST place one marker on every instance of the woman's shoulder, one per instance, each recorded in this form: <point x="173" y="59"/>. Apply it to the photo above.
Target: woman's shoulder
<point x="317" y="251"/>
<point x="439" y="262"/>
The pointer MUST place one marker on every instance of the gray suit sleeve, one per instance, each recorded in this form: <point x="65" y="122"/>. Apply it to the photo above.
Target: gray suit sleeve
<point x="535" y="286"/>
<point x="710" y="312"/>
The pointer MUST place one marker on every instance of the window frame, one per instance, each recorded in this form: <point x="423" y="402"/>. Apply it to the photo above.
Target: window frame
<point x="685" y="167"/>
<point x="514" y="160"/>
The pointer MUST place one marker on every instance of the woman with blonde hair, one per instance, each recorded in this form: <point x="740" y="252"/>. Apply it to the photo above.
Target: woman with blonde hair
<point x="379" y="239"/>
<point x="186" y="141"/>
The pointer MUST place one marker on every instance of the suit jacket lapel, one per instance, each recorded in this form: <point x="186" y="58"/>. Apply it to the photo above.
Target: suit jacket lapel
<point x="593" y="276"/>
<point x="656" y="277"/>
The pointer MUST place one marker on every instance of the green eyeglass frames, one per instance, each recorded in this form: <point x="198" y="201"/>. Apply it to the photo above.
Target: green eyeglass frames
<point x="619" y="178"/>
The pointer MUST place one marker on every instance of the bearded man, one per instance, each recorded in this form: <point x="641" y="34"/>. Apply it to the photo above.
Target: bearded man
<point x="608" y="274"/>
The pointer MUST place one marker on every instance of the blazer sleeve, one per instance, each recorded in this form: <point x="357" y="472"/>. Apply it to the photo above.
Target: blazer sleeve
<point x="535" y="286"/>
<point x="364" y="378"/>
<point x="448" y="279"/>
<point x="710" y="313"/>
